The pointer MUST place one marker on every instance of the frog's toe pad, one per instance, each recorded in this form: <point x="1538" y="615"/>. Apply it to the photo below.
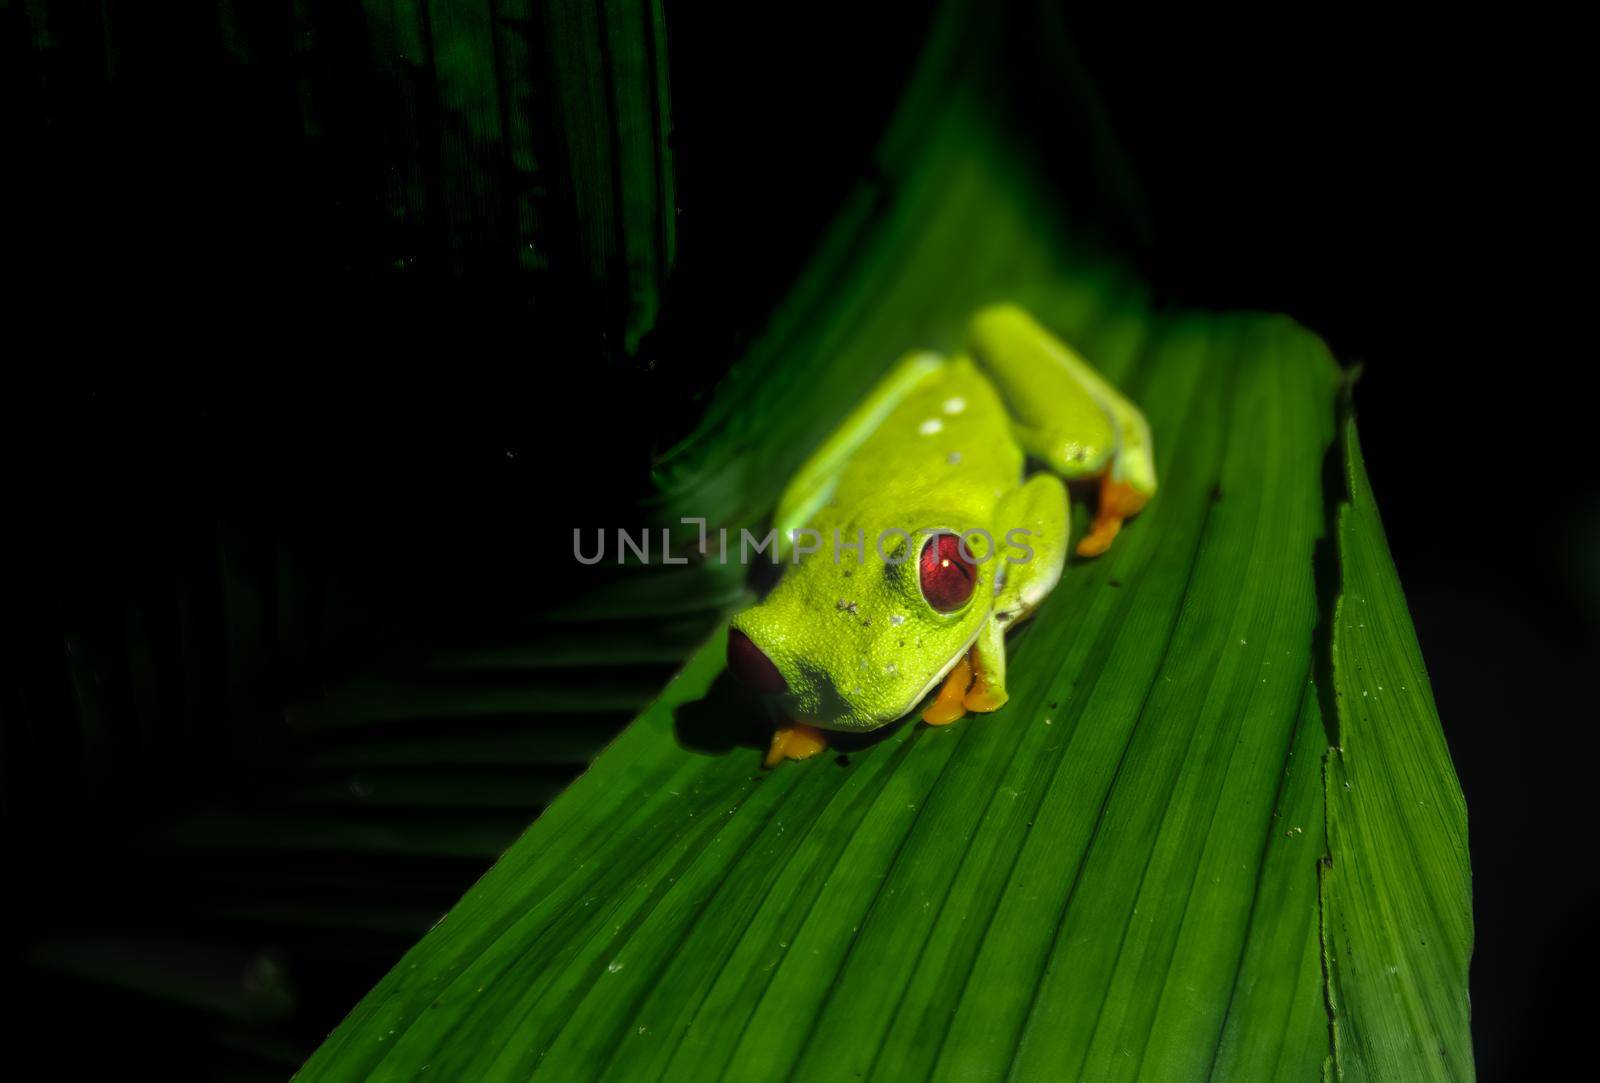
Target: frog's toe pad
<point x="1098" y="540"/>
<point x="797" y="742"/>
<point x="984" y="697"/>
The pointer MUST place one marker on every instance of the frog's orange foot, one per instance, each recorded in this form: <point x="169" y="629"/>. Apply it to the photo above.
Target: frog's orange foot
<point x="950" y="705"/>
<point x="1118" y="501"/>
<point x="797" y="742"/>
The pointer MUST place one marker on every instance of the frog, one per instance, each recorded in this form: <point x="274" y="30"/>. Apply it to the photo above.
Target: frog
<point x="931" y="522"/>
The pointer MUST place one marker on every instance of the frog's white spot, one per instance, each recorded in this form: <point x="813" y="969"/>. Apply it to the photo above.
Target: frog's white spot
<point x="955" y="405"/>
<point x="897" y="620"/>
<point x="930" y="426"/>
<point x="953" y="458"/>
<point x="891" y="668"/>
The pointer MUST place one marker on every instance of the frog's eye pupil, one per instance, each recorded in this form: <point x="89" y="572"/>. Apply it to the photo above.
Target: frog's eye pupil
<point x="948" y="573"/>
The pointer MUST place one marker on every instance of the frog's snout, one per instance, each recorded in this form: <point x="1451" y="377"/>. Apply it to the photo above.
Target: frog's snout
<point x="752" y="667"/>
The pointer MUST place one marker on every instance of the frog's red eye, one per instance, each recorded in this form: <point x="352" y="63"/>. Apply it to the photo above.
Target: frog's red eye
<point x="948" y="573"/>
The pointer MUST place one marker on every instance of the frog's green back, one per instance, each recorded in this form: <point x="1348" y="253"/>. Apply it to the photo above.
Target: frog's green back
<point x="942" y="456"/>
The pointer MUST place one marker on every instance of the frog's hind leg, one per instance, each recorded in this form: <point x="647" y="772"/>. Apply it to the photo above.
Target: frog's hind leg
<point x="1067" y="415"/>
<point x="1119" y="501"/>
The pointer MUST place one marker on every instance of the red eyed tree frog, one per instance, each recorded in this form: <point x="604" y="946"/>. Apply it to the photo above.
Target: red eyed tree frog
<point x="928" y="542"/>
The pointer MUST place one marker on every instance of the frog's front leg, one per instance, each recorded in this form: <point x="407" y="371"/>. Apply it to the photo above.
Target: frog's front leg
<point x="978" y="681"/>
<point x="1067" y="415"/>
<point x="1032" y="527"/>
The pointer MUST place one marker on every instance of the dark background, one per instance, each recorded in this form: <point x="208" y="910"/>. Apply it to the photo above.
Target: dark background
<point x="210" y="340"/>
<point x="1403" y="186"/>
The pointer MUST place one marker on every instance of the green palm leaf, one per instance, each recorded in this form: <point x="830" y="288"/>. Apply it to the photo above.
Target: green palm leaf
<point x="1149" y="864"/>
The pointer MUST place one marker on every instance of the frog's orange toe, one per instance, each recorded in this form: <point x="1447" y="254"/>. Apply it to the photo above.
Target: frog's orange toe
<point x="797" y="742"/>
<point x="1098" y="540"/>
<point x="1118" y="501"/>
<point x="950" y="704"/>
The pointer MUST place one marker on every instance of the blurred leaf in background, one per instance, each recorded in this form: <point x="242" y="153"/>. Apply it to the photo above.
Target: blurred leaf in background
<point x="294" y="660"/>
